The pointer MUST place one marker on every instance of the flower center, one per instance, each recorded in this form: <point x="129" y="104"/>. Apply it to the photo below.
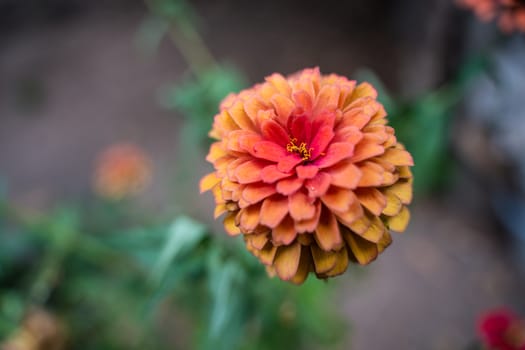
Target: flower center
<point x="305" y="153"/>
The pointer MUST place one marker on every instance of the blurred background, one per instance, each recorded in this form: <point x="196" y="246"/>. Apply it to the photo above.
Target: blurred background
<point x="87" y="263"/>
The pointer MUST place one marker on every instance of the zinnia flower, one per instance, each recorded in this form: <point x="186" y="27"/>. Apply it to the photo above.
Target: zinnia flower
<point x="308" y="171"/>
<point x="121" y="170"/>
<point x="510" y="14"/>
<point x="501" y="329"/>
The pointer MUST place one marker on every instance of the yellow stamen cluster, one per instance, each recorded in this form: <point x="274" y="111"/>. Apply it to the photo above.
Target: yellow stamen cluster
<point x="305" y="153"/>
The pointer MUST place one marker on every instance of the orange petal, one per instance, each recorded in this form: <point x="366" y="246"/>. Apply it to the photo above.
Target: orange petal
<point x="335" y="153"/>
<point x="258" y="241"/>
<point x="273" y="211"/>
<point x="249" y="218"/>
<point x="399" y="222"/>
<point x="289" y="186"/>
<point x="238" y="114"/>
<point x="251" y="108"/>
<point x="327" y="233"/>
<point x="372" y="174"/>
<point x="372" y="199"/>
<point x="286" y="261"/>
<point x="364" y="90"/>
<point x="284" y="233"/>
<point x="323" y="261"/>
<point x="280" y="83"/>
<point x="303" y="100"/>
<point x="270" y="174"/>
<point x="356" y="118"/>
<point x="229" y="225"/>
<point x="309" y="225"/>
<point x="345" y="175"/>
<point x="367" y="149"/>
<point x="353" y="213"/>
<point x="364" y="251"/>
<point x="300" y="206"/>
<point x="208" y="182"/>
<point x="249" y="172"/>
<point x="338" y="199"/>
<point x="256" y="193"/>
<point x="283" y="107"/>
<point x="327" y="99"/>
<point x="398" y="157"/>
<point x="318" y="186"/>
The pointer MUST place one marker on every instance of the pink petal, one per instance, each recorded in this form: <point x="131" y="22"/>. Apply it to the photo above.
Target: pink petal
<point x="273" y="131"/>
<point x="287" y="163"/>
<point x="335" y="153"/>
<point x="270" y="174"/>
<point x="306" y="171"/>
<point x="268" y="150"/>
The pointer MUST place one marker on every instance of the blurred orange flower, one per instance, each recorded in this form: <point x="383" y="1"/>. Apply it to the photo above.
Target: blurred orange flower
<point x="308" y="171"/>
<point x="510" y="14"/>
<point x="121" y="170"/>
<point x="40" y="330"/>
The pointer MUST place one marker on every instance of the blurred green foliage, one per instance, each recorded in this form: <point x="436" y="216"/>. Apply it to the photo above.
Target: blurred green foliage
<point x="113" y="289"/>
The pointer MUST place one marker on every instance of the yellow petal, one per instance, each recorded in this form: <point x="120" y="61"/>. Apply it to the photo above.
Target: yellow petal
<point x="341" y="263"/>
<point x="364" y="90"/>
<point x="398" y="157"/>
<point x="239" y="114"/>
<point x="323" y="261"/>
<point x="385" y="241"/>
<point x="360" y="225"/>
<point x="364" y="251"/>
<point x="219" y="210"/>
<point x="208" y="182"/>
<point x="304" y="267"/>
<point x="267" y="254"/>
<point x="393" y="204"/>
<point x="375" y="231"/>
<point x="287" y="261"/>
<point x="402" y="190"/>
<point x="399" y="222"/>
<point x="229" y="224"/>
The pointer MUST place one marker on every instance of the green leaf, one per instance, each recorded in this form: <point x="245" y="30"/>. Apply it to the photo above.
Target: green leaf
<point x="183" y="235"/>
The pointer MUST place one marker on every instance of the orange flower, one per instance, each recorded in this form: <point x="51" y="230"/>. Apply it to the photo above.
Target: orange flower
<point x="510" y="14"/>
<point x="308" y="171"/>
<point x="121" y="170"/>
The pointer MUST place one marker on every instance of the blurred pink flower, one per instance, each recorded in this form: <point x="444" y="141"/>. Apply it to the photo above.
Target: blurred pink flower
<point x="501" y="329"/>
